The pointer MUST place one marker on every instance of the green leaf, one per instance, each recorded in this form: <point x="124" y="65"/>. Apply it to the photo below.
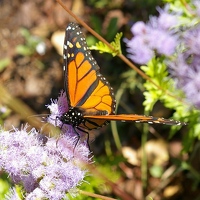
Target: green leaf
<point x="24" y="50"/>
<point x="103" y="48"/>
<point x="156" y="69"/>
<point x="4" y="188"/>
<point x="31" y="42"/>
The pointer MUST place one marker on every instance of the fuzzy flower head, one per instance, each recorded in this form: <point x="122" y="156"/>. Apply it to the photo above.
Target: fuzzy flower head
<point x="186" y="67"/>
<point x="197" y="7"/>
<point x="155" y="37"/>
<point x="57" y="108"/>
<point x="48" y="168"/>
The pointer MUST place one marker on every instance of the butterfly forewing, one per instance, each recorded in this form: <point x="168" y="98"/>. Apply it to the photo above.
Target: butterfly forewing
<point x="84" y="85"/>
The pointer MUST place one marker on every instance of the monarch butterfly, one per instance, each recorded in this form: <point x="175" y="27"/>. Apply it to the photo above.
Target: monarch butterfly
<point x="90" y="97"/>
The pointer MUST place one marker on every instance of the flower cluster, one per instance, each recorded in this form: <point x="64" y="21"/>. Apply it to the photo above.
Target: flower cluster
<point x="167" y="35"/>
<point x="186" y="67"/>
<point x="157" y="36"/>
<point x="48" y="168"/>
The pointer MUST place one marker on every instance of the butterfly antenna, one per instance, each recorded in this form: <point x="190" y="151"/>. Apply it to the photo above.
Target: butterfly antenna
<point x="42" y="116"/>
<point x="39" y="115"/>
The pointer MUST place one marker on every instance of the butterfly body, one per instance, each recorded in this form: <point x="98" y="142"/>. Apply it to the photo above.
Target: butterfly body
<point x="90" y="97"/>
<point x="75" y="117"/>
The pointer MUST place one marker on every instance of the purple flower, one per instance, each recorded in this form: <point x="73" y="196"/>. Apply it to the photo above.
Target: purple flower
<point x="139" y="28"/>
<point x="191" y="40"/>
<point x="57" y="109"/>
<point x="166" y="21"/>
<point x="155" y="37"/>
<point x="197" y="7"/>
<point x="186" y="67"/>
<point x="47" y="170"/>
<point x="165" y="44"/>
<point x="139" y="55"/>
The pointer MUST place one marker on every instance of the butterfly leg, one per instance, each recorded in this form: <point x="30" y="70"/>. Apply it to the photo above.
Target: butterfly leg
<point x="80" y="129"/>
<point x="78" y="135"/>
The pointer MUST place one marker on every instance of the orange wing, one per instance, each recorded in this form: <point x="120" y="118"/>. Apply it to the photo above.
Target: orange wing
<point x="85" y="87"/>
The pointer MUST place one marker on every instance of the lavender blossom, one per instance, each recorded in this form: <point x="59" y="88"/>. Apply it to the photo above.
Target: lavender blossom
<point x="197" y="8"/>
<point x="47" y="170"/>
<point x="157" y="36"/>
<point x="186" y="67"/>
<point x="57" y="109"/>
